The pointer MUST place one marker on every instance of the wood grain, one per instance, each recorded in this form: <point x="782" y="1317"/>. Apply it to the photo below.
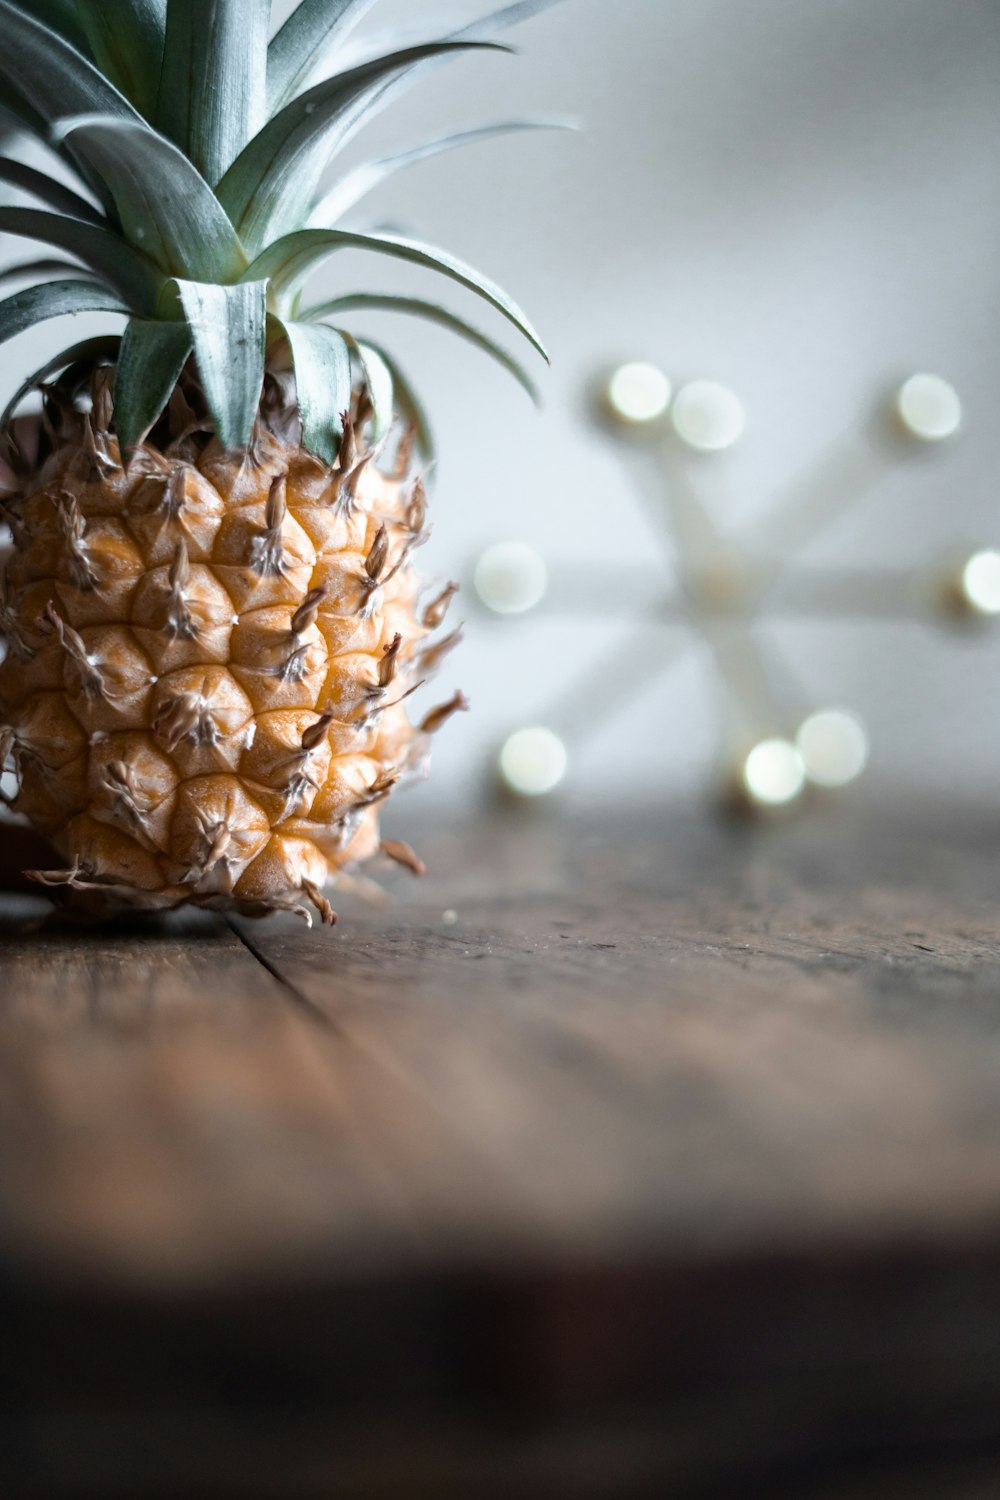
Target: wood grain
<point x="706" y="1043"/>
<point x="607" y="1162"/>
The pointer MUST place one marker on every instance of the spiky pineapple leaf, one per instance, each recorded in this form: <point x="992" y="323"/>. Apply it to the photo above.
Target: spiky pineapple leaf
<point x="508" y="15"/>
<point x="50" y="71"/>
<point x="16" y="115"/>
<point x="48" y="190"/>
<point x="62" y="16"/>
<point x="42" y="65"/>
<point x="213" y="83"/>
<point x="420" y="307"/>
<point x="362" y="179"/>
<point x="289" y="259"/>
<point x="274" y="181"/>
<point x="304" y="42"/>
<point x="103" y="349"/>
<point x="483" y="28"/>
<point x="54" y="299"/>
<point x="105" y="253"/>
<point x="41" y="267"/>
<point x="164" y="204"/>
<point x="152" y="356"/>
<point x="228" y="327"/>
<point x="323" y="383"/>
<point x="127" y="44"/>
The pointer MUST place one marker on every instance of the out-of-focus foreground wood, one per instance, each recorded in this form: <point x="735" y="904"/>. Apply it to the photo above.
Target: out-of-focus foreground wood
<point x="619" y="1161"/>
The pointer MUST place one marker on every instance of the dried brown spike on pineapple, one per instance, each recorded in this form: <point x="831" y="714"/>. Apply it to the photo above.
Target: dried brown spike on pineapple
<point x="435" y="612"/>
<point x="403" y="855"/>
<point x="438" y="717"/>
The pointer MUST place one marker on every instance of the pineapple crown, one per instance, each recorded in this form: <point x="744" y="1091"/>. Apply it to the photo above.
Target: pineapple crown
<point x="199" y="147"/>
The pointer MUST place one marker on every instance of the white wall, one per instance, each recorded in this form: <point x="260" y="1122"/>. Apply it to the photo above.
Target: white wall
<point x="798" y="197"/>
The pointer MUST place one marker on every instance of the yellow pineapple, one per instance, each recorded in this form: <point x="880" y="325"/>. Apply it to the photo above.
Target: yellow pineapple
<point x="211" y="615"/>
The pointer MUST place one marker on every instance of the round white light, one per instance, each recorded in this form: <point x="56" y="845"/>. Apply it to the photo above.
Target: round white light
<point x="929" y="408"/>
<point x="510" y="578"/>
<point x="533" y="762"/>
<point x="638" y="392"/>
<point x="774" y="773"/>
<point x="708" y="416"/>
<point x="981" y="582"/>
<point x="833" y="744"/>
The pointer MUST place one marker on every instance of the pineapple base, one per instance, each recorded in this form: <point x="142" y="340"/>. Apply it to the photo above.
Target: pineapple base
<point x="207" y="654"/>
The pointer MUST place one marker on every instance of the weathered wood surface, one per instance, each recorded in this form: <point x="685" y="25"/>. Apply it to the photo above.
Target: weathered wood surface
<point x="638" y="1160"/>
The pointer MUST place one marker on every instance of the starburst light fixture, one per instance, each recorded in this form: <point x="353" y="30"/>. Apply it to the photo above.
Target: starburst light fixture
<point x="778" y="741"/>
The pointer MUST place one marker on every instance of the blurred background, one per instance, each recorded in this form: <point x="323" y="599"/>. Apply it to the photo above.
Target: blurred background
<point x="801" y="201"/>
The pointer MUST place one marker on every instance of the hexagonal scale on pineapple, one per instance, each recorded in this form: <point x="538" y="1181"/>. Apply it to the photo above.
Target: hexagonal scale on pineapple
<point x="34" y="661"/>
<point x="133" y="785"/>
<point x="288" y="762"/>
<point x="175" y="503"/>
<point x="259" y="563"/>
<point x="109" y="854"/>
<point x="218" y="830"/>
<point x="327" y="529"/>
<point x="47" y="732"/>
<point x="203" y="719"/>
<point x="345" y="789"/>
<point x="109" y="687"/>
<point x="285" y="864"/>
<point x="39" y="559"/>
<point x="247" y="479"/>
<point x="342" y="575"/>
<point x="39" y="517"/>
<point x="110" y="494"/>
<point x="277" y="665"/>
<point x="43" y="800"/>
<point x="183" y="621"/>
<point x="96" y="579"/>
<point x="352" y="686"/>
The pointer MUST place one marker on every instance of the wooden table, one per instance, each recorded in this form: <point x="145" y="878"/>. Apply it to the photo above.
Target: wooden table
<point x="640" y="1159"/>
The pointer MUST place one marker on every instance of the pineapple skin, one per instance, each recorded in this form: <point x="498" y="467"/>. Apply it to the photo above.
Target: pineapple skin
<point x="207" y="655"/>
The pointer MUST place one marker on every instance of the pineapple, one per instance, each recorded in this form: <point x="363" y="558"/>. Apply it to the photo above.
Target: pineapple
<point x="211" y="617"/>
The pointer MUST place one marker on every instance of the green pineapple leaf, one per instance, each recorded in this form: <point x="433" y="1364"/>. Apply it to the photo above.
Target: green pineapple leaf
<point x="205" y="156"/>
<point x="484" y="28"/>
<point x="271" y="187"/>
<point x="127" y="43"/>
<point x="104" y="252"/>
<point x="61" y="16"/>
<point x="54" y="299"/>
<point x="42" y="66"/>
<point x="42" y="267"/>
<point x="507" y="15"/>
<point x="17" y="115"/>
<point x="323" y="383"/>
<point x="212" y="95"/>
<point x="304" y="43"/>
<point x="47" y="190"/>
<point x="228" y="328"/>
<point x="149" y="365"/>
<point x="58" y="79"/>
<point x="291" y="258"/>
<point x="421" y="308"/>
<point x="164" y="205"/>
<point x="362" y="179"/>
